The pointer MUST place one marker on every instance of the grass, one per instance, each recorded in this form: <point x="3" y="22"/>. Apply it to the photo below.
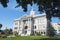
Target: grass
<point x="31" y="38"/>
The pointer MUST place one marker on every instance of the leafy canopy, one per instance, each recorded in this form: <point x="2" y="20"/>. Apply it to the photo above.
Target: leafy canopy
<point x="51" y="7"/>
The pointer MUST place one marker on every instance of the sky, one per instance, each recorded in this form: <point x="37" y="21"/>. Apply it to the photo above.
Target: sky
<point x="7" y="15"/>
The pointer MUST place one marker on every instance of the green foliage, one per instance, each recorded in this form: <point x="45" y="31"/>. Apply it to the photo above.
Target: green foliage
<point x="4" y="2"/>
<point x="8" y="31"/>
<point x="50" y="30"/>
<point x="0" y="26"/>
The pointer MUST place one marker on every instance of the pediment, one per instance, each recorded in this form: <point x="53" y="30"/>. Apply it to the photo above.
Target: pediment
<point x="25" y="16"/>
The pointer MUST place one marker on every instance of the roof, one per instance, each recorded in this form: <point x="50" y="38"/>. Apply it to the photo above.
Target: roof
<point x="28" y="16"/>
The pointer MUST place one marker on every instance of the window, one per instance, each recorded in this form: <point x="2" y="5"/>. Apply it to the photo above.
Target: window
<point x="35" y="32"/>
<point x="16" y="23"/>
<point x="44" y="32"/>
<point x="26" y="27"/>
<point x="39" y="20"/>
<point x="25" y="32"/>
<point x="24" y="21"/>
<point x="16" y="28"/>
<point x="41" y="32"/>
<point x="35" y="27"/>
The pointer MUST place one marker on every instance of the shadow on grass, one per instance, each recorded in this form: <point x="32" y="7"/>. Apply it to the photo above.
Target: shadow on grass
<point x="48" y="39"/>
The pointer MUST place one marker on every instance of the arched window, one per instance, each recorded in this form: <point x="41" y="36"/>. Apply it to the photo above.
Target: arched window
<point x="35" y="27"/>
<point x="25" y="32"/>
<point x="44" y="32"/>
<point x="41" y="32"/>
<point x="26" y="27"/>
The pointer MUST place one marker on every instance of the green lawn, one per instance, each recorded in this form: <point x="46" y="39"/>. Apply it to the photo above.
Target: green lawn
<point x="31" y="38"/>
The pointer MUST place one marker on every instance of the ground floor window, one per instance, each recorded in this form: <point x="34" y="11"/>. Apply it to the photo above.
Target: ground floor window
<point x="25" y="32"/>
<point x="43" y="33"/>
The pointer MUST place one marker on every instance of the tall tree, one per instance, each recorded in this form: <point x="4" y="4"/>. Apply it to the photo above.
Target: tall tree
<point x="50" y="31"/>
<point x="0" y="26"/>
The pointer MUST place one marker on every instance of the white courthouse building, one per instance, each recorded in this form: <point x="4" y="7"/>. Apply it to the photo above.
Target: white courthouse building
<point x="32" y="24"/>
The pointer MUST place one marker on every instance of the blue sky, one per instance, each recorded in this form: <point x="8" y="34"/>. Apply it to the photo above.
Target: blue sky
<point x="7" y="15"/>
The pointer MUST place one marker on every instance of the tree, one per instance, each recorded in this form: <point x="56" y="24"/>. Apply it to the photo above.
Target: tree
<point x="0" y="26"/>
<point x="50" y="7"/>
<point x="50" y="30"/>
<point x="8" y="31"/>
<point x="4" y="2"/>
